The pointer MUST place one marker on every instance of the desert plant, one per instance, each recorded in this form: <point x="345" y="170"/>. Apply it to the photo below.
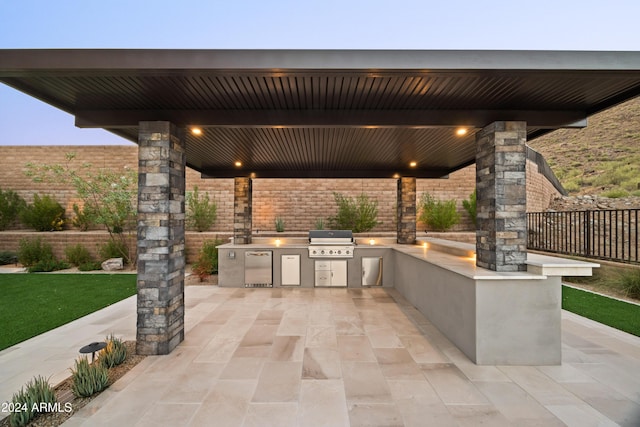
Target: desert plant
<point x="207" y="263"/>
<point x="88" y="379"/>
<point x="90" y="266"/>
<point x="201" y="212"/>
<point x="37" y="397"/>
<point x="114" y="353"/>
<point x="358" y="215"/>
<point x="11" y="204"/>
<point x="109" y="197"/>
<point x="77" y="255"/>
<point x="470" y="205"/>
<point x="44" y="214"/>
<point x="279" y="224"/>
<point x="615" y="193"/>
<point x="47" y="265"/>
<point x="437" y="214"/>
<point x="631" y="283"/>
<point x="7" y="257"/>
<point x="32" y="251"/>
<point x="319" y="224"/>
<point x="82" y="220"/>
<point x="114" y="249"/>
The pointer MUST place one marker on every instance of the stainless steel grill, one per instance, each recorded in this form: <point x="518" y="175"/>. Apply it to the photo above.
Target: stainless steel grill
<point x="331" y="244"/>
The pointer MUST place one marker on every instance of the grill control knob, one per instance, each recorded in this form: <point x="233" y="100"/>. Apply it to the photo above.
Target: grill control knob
<point x="322" y="252"/>
<point x="339" y="252"/>
<point x="330" y="252"/>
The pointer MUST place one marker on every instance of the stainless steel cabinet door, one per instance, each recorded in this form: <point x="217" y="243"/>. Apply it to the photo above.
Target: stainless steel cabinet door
<point x="290" y="270"/>
<point x="371" y="271"/>
<point x="339" y="273"/>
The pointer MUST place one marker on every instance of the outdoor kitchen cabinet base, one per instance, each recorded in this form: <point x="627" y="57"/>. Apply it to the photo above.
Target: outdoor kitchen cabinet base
<point x="331" y="273"/>
<point x="231" y="266"/>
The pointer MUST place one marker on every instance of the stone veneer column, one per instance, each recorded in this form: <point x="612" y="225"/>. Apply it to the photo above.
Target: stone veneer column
<point x="242" y="210"/>
<point x="406" y="223"/>
<point x="161" y="250"/>
<point x="501" y="236"/>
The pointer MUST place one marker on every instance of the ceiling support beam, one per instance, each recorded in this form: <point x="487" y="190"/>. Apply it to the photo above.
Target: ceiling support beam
<point x="114" y="119"/>
<point x="375" y="173"/>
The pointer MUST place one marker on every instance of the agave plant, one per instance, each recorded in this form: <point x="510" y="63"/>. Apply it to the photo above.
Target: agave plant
<point x="114" y="353"/>
<point x="88" y="379"/>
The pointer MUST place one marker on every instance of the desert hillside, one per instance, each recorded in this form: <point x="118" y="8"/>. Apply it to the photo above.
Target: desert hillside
<point x="601" y="159"/>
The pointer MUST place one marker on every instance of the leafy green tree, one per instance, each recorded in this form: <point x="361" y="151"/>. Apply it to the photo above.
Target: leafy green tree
<point x="201" y="211"/>
<point x="109" y="197"/>
<point x="358" y="215"/>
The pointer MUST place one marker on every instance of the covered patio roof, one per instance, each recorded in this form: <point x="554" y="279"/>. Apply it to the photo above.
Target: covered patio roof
<point x="325" y="113"/>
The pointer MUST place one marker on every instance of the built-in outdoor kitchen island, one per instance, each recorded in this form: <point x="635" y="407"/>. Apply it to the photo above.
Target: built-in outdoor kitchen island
<point x="331" y="258"/>
<point x="495" y="318"/>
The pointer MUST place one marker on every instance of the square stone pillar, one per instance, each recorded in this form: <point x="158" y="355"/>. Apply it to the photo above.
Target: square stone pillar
<point x="406" y="224"/>
<point x="501" y="236"/>
<point x="242" y="195"/>
<point x="161" y="250"/>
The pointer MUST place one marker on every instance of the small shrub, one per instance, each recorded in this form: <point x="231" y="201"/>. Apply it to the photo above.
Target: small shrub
<point x="38" y="392"/>
<point x="90" y="266"/>
<point x="631" y="283"/>
<point x="470" y="205"/>
<point x="615" y="193"/>
<point x="77" y="255"/>
<point x="47" y="265"/>
<point x="358" y="215"/>
<point x="207" y="263"/>
<point x="7" y="257"/>
<point x="279" y="225"/>
<point x="32" y="251"/>
<point x="201" y="212"/>
<point x="114" y="353"/>
<point x="114" y="249"/>
<point x="82" y="220"/>
<point x="437" y="214"/>
<point x="44" y="214"/>
<point x="11" y="205"/>
<point x="88" y="379"/>
<point x="319" y="224"/>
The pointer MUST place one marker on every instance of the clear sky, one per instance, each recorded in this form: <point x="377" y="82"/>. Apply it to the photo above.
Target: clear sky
<point x="291" y="24"/>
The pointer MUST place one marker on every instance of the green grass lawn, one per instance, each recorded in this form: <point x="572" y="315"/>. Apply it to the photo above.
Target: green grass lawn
<point x="31" y="304"/>
<point x="617" y="314"/>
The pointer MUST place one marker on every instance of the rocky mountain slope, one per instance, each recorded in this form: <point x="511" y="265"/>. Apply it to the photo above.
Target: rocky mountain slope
<point x="603" y="158"/>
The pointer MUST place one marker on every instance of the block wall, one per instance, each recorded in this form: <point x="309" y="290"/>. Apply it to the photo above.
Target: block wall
<point x="299" y="202"/>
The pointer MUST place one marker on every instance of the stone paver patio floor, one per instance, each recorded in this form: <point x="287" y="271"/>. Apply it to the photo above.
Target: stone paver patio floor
<point x="335" y="357"/>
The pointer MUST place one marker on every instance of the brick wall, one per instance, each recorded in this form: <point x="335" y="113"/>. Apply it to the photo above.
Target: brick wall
<point x="299" y="202"/>
<point x="540" y="192"/>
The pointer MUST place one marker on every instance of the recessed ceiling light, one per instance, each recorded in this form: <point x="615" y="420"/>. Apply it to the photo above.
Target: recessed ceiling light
<point x="238" y="164"/>
<point x="413" y="164"/>
<point x="461" y="131"/>
<point x="196" y="131"/>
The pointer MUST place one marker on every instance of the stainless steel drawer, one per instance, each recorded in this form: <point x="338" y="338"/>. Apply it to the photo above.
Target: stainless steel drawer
<point x="323" y="265"/>
<point x="323" y="278"/>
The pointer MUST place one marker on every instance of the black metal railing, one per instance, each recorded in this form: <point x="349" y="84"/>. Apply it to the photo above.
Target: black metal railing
<point x="607" y="234"/>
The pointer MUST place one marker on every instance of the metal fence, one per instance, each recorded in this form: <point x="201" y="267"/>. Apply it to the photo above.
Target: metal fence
<point x="607" y="234"/>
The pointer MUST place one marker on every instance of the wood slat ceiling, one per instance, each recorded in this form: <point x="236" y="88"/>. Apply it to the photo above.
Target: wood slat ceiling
<point x="311" y="117"/>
